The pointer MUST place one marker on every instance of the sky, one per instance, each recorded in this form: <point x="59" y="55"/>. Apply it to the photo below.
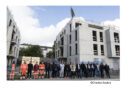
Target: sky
<point x="40" y="24"/>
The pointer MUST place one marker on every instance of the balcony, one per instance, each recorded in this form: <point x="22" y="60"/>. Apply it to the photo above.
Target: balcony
<point x="102" y="52"/>
<point x="116" y="40"/>
<point x="117" y="53"/>
<point x="94" y="38"/>
<point x="101" y="39"/>
<point x="13" y="41"/>
<point x="95" y="52"/>
<point x="11" y="54"/>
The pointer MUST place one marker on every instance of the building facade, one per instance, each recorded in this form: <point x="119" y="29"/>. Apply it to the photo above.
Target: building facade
<point x="45" y="49"/>
<point x="85" y="41"/>
<point x="13" y="39"/>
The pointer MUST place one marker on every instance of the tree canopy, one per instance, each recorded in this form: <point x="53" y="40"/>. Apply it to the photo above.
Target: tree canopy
<point x="34" y="51"/>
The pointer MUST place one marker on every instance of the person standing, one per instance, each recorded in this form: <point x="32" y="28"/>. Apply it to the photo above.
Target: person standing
<point x="36" y="69"/>
<point x="73" y="69"/>
<point x="41" y="69"/>
<point x="62" y="70"/>
<point x="12" y="70"/>
<point x="24" y="68"/>
<point x="48" y="68"/>
<point x="54" y="70"/>
<point x="67" y="70"/>
<point x="78" y="70"/>
<point x="106" y="67"/>
<point x="93" y="69"/>
<point x="83" y="68"/>
<point x="30" y="68"/>
<point x="101" y="67"/>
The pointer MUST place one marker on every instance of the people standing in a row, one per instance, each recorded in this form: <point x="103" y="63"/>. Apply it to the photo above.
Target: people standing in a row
<point x="56" y="70"/>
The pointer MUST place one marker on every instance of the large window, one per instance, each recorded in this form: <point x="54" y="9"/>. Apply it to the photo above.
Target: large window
<point x="76" y="48"/>
<point x="10" y="22"/>
<point x="75" y="35"/>
<point x="70" y="27"/>
<point x="101" y="36"/>
<point x="116" y="37"/>
<point x="94" y="36"/>
<point x="117" y="50"/>
<point x="70" y="39"/>
<point x="70" y="50"/>
<point x="102" y="49"/>
<point x="95" y="49"/>
<point x="62" y="41"/>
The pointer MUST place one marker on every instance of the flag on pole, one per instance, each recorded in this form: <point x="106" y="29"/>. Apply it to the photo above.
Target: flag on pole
<point x="72" y="12"/>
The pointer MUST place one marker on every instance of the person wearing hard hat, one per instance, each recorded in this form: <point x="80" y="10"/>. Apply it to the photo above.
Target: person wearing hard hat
<point x="12" y="70"/>
<point x="24" y="68"/>
<point x="41" y="69"/>
<point x="36" y="70"/>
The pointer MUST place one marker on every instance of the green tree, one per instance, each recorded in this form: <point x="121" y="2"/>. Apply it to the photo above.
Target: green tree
<point x="35" y="51"/>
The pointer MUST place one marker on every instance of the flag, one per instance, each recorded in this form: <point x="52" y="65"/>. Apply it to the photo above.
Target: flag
<point x="72" y="12"/>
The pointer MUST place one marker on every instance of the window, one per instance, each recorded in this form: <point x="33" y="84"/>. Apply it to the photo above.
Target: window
<point x="64" y="31"/>
<point x="75" y="35"/>
<point x="76" y="49"/>
<point x="70" y="27"/>
<point x="102" y="49"/>
<point x="62" y="41"/>
<point x="101" y="36"/>
<point x="61" y="49"/>
<point x="58" y="53"/>
<point x="116" y="37"/>
<point x="94" y="36"/>
<point x="77" y="24"/>
<point x="10" y="22"/>
<point x="70" y="50"/>
<point x="95" y="49"/>
<point x="117" y="50"/>
<point x="70" y="39"/>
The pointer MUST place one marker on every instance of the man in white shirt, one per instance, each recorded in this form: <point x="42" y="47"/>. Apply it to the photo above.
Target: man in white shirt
<point x="62" y="69"/>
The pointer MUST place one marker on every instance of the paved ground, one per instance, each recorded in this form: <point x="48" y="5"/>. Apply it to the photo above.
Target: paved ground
<point x="113" y="78"/>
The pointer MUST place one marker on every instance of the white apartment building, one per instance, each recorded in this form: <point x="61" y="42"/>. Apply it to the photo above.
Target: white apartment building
<point x="13" y="39"/>
<point x="45" y="49"/>
<point x="85" y="41"/>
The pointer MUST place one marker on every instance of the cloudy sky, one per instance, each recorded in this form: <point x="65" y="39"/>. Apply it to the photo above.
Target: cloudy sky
<point x="40" y="24"/>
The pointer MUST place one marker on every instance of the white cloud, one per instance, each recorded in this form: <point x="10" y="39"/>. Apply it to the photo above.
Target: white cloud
<point x="115" y="22"/>
<point x="29" y="27"/>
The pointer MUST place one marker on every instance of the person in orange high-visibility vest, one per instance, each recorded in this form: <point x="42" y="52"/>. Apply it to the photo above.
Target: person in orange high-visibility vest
<point x="41" y="69"/>
<point x="24" y="68"/>
<point x="12" y="70"/>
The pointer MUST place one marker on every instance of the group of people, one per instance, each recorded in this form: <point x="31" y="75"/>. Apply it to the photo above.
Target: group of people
<point x="60" y="70"/>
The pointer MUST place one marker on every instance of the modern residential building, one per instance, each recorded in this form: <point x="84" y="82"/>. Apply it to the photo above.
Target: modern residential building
<point x="45" y="49"/>
<point x="13" y="39"/>
<point x="81" y="40"/>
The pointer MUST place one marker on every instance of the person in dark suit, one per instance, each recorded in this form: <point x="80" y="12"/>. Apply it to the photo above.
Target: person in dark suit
<point x="67" y="70"/>
<point x="48" y="67"/>
<point x="54" y="70"/>
<point x="94" y="68"/>
<point x="83" y="69"/>
<point x="106" y="67"/>
<point x="78" y="70"/>
<point x="30" y="68"/>
<point x="101" y="67"/>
